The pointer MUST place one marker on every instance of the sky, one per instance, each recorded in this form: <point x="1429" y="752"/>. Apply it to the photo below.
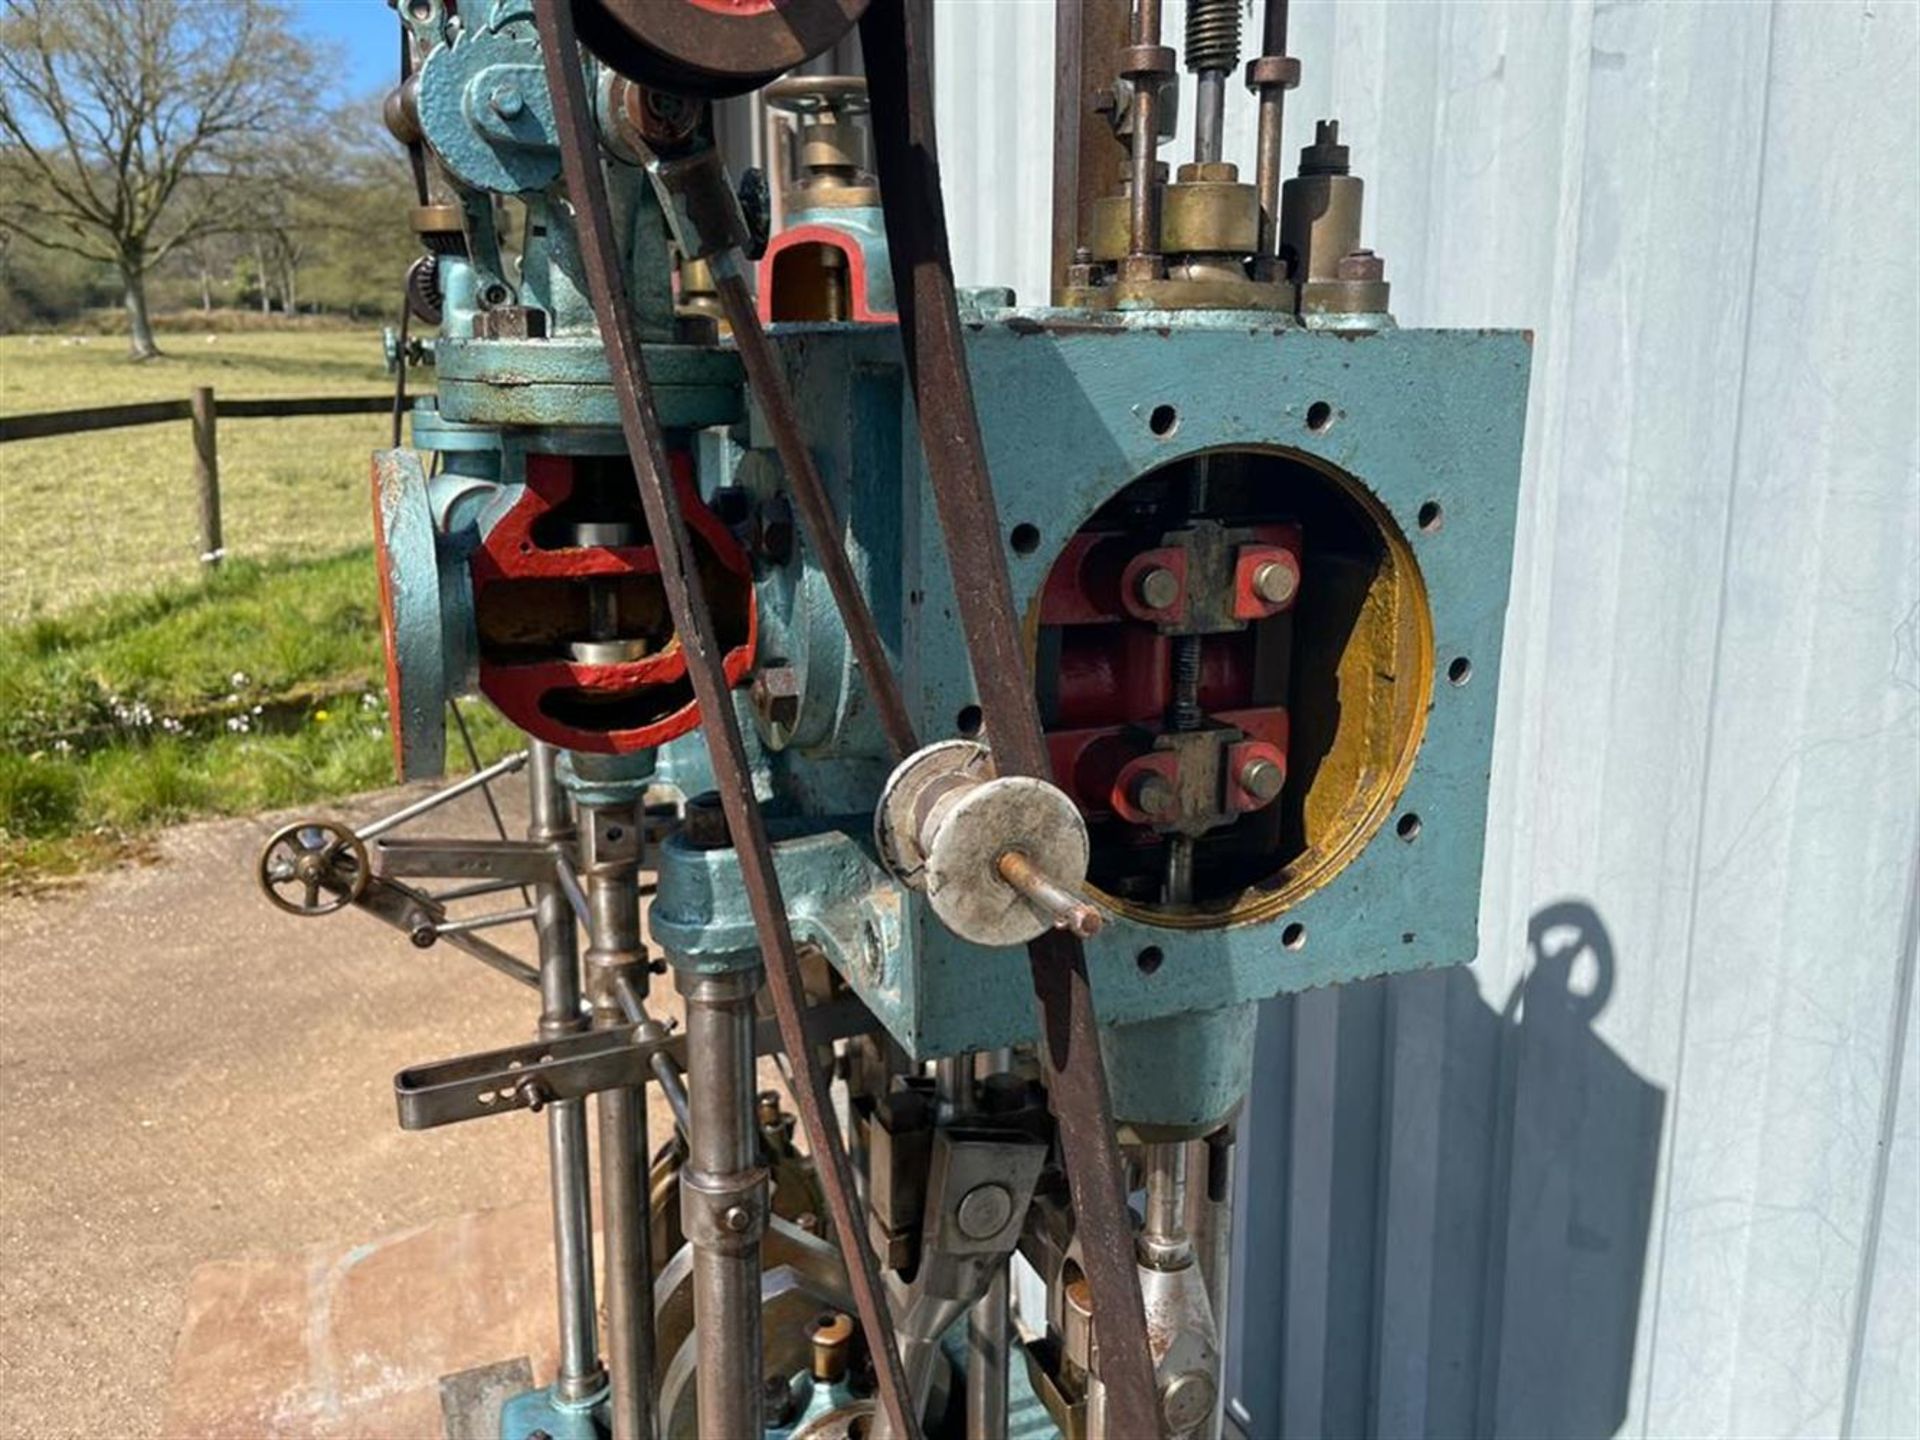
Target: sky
<point x="366" y="33"/>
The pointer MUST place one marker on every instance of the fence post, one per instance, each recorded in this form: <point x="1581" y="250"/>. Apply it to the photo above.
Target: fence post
<point x="206" y="474"/>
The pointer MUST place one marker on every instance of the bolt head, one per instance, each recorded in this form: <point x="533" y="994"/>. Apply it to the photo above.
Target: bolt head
<point x="507" y="102"/>
<point x="1158" y="588"/>
<point x="1261" y="778"/>
<point x="983" y="1212"/>
<point x="1154" y="794"/>
<point x="776" y="695"/>
<point x="736" y="1219"/>
<point x="1276" y="582"/>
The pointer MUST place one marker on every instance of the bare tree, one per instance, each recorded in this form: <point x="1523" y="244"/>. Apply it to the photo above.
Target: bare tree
<point x="130" y="128"/>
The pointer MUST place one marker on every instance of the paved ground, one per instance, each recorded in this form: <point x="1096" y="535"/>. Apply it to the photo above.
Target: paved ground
<point x="192" y="1077"/>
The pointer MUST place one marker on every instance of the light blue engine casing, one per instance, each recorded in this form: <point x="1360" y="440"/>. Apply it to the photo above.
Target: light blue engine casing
<point x="1067" y="403"/>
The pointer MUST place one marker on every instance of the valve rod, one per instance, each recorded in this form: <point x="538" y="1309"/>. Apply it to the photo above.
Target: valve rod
<point x="1066" y="910"/>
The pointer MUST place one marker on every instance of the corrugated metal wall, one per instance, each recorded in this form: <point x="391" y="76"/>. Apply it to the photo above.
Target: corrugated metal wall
<point x="1650" y="1166"/>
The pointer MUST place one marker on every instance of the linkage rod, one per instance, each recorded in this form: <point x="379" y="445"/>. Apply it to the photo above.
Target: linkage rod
<point x="694" y="624"/>
<point x="895" y="37"/>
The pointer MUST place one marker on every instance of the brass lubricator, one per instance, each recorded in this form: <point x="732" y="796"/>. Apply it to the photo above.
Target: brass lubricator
<point x="1320" y="212"/>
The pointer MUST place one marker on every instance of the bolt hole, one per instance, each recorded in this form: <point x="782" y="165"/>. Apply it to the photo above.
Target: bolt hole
<point x="1409" y="827"/>
<point x="1294" y="936"/>
<point x="1150" y="959"/>
<point x="969" y="720"/>
<point x="1163" y="420"/>
<point x="614" y="833"/>
<point x="1319" y="415"/>
<point x="1025" y="538"/>
<point x="1460" y="671"/>
<point x="1431" y="516"/>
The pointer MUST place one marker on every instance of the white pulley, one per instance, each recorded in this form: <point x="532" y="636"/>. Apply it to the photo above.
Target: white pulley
<point x="1001" y="859"/>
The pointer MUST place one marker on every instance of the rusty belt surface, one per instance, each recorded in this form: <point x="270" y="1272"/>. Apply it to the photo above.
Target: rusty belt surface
<point x="894" y="37"/>
<point x="693" y="622"/>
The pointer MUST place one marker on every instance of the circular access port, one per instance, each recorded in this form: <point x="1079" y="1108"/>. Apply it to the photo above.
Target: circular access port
<point x="1337" y="678"/>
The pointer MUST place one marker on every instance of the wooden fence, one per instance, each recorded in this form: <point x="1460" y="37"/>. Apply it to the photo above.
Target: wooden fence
<point x="200" y="408"/>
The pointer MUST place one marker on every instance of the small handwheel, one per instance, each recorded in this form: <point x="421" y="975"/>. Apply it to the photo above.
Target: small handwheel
<point x="313" y="867"/>
<point x="819" y="94"/>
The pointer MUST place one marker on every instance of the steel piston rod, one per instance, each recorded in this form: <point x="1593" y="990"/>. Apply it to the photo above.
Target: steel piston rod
<point x="693" y="624"/>
<point x="561" y="1013"/>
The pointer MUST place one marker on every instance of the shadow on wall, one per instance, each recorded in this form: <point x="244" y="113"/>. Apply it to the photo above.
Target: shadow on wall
<point x="1444" y="1206"/>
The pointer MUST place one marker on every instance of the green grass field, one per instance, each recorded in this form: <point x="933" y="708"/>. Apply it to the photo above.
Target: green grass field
<point x="89" y="516"/>
<point x="138" y="688"/>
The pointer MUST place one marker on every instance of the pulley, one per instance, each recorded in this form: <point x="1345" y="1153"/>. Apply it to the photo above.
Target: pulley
<point x="712" y="48"/>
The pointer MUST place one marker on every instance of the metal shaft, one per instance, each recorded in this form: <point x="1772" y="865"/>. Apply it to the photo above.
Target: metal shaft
<point x="561" y="1013"/>
<point x="478" y="780"/>
<point x="610" y="857"/>
<point x="988" y="1355"/>
<point x="1066" y="910"/>
<point x="1164" y="1243"/>
<point x="1210" y="1223"/>
<point x="1268" y="159"/>
<point x="724" y="1199"/>
<point x="1142" y="232"/>
<point x="1212" y="52"/>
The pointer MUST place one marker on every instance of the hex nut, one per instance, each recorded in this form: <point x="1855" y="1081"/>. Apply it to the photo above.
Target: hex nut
<point x="1361" y="265"/>
<point x="776" y="695"/>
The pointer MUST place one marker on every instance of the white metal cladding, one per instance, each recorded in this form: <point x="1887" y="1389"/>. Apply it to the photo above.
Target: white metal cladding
<point x="1650" y="1167"/>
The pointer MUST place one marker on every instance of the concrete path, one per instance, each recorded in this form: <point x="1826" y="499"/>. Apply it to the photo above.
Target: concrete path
<point x="190" y="1077"/>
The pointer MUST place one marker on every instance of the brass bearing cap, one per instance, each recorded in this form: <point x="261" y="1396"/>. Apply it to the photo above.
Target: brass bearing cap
<point x="1208" y="212"/>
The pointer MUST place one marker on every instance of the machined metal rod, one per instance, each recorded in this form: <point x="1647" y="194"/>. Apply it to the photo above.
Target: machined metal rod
<point x="1269" y="161"/>
<point x="665" y="1073"/>
<point x="568" y="1160"/>
<point x="1209" y="115"/>
<point x="1060" y="905"/>
<point x="475" y="890"/>
<point x="570" y="887"/>
<point x="1210" y="1223"/>
<point x="1142" y="232"/>
<point x="989" y="1332"/>
<point x="723" y="1200"/>
<point x="1164" y="1243"/>
<point x="625" y="1223"/>
<point x="494" y="958"/>
<point x="988" y="1355"/>
<point x="610" y="851"/>
<point x="429" y="803"/>
<point x="694" y="627"/>
<point x="468" y="924"/>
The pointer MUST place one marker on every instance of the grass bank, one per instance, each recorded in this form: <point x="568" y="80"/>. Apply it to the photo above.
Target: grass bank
<point x="95" y="515"/>
<point x="255" y="688"/>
